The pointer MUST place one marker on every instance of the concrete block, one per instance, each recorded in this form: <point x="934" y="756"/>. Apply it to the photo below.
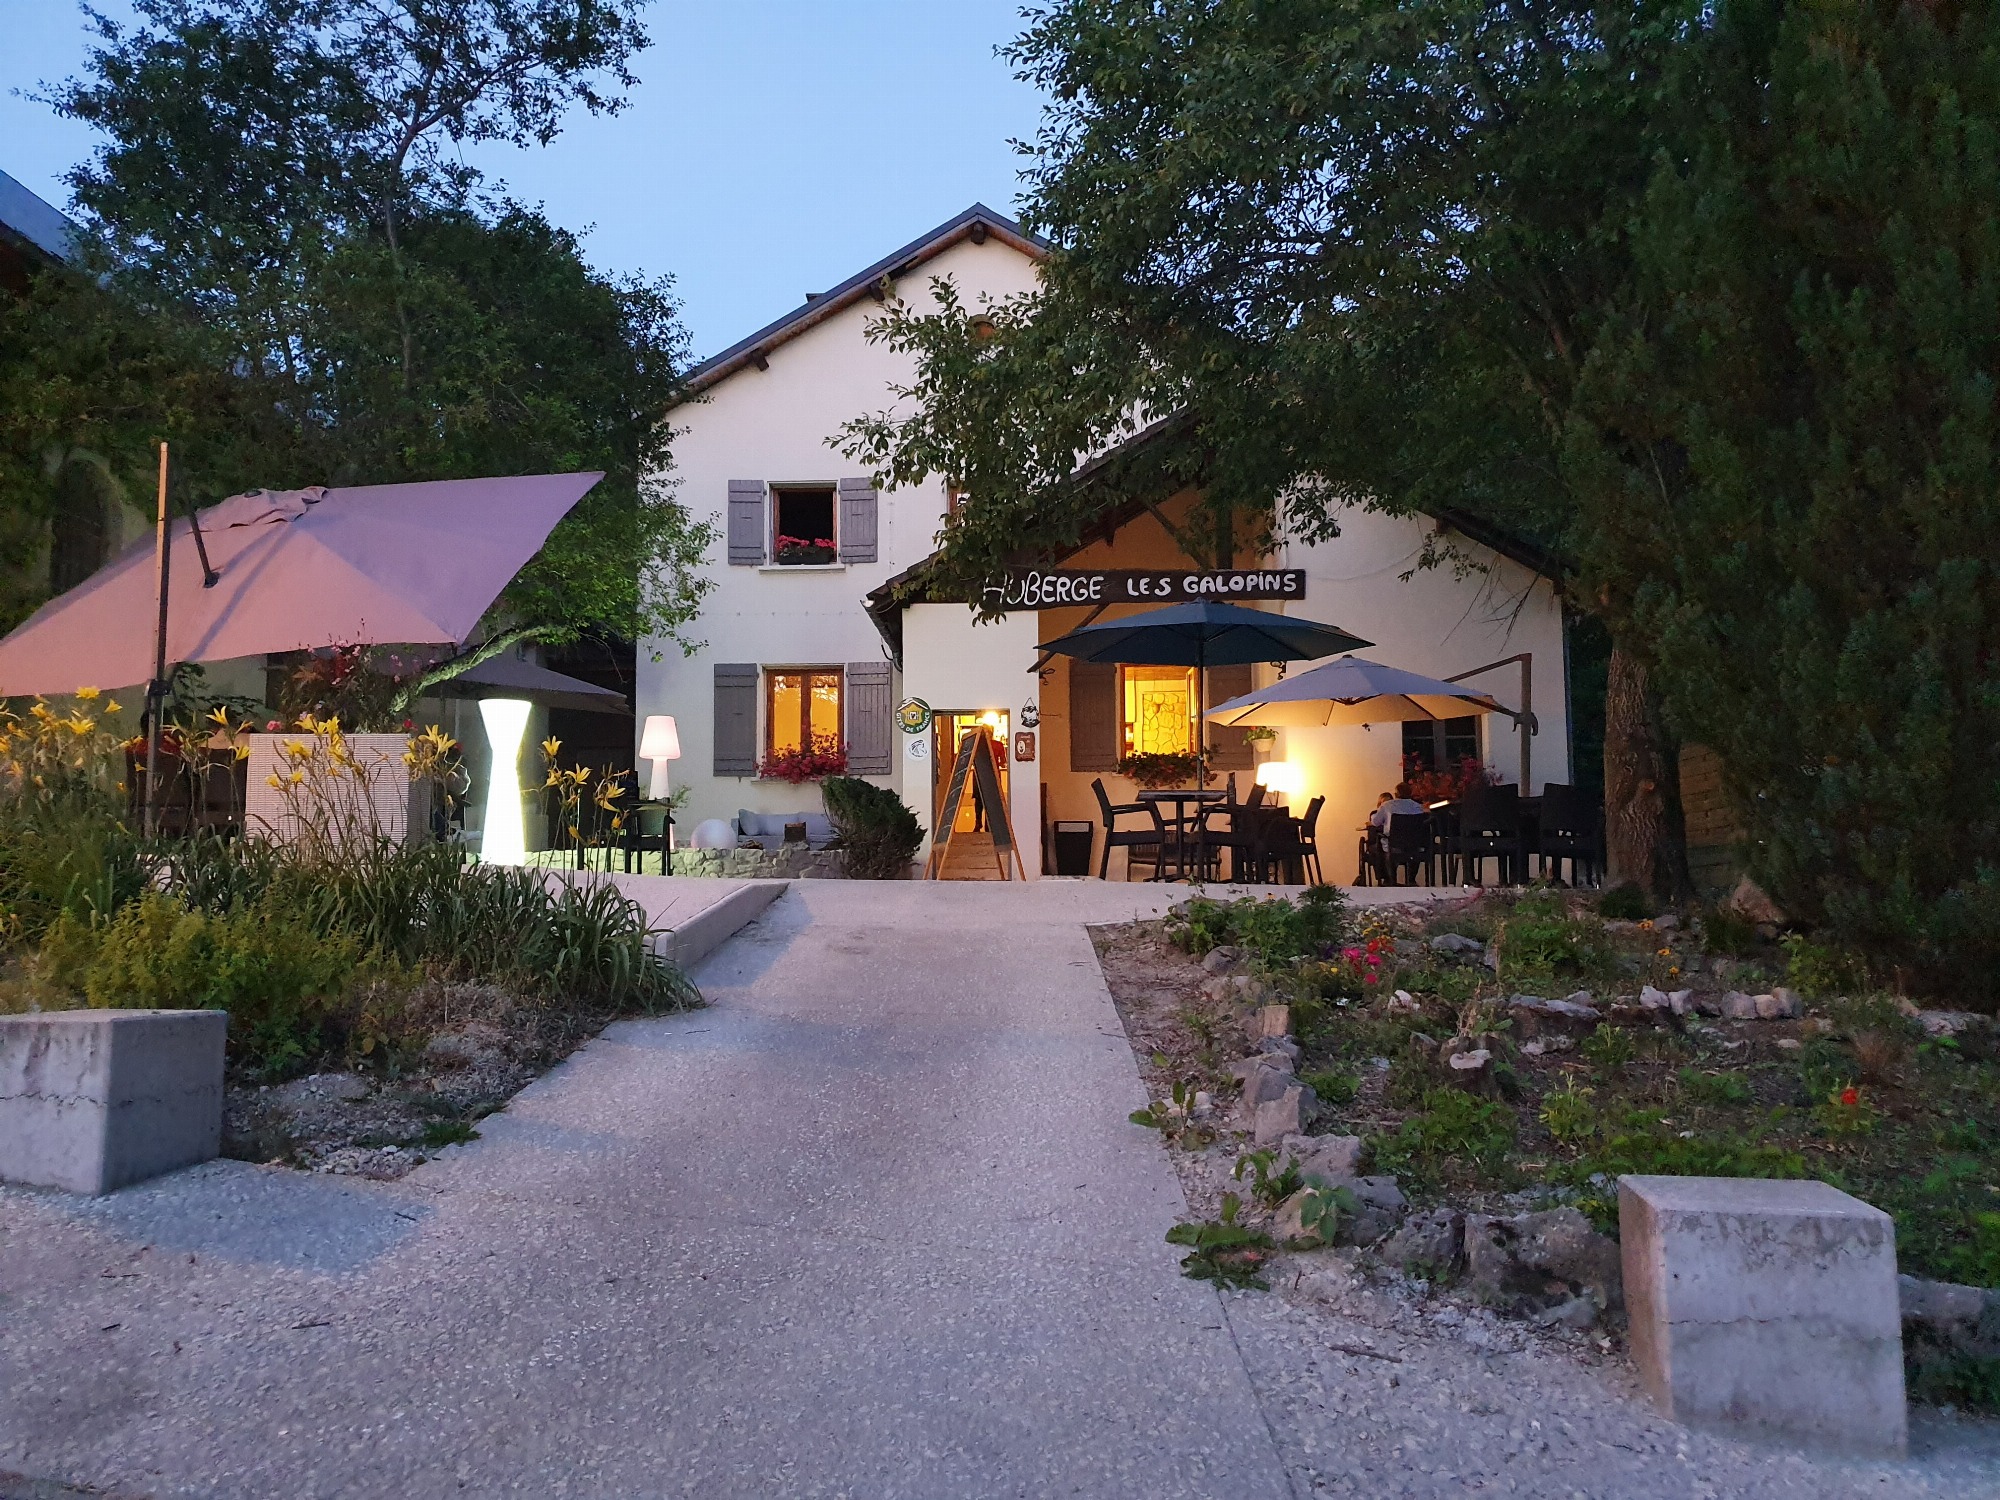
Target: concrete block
<point x="91" y="1100"/>
<point x="1765" y="1307"/>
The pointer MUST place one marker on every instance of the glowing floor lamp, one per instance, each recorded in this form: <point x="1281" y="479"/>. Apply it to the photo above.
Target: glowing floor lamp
<point x="504" y="842"/>
<point x="660" y="742"/>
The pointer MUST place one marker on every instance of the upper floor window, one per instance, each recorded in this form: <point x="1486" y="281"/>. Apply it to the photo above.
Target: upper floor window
<point x="802" y="524"/>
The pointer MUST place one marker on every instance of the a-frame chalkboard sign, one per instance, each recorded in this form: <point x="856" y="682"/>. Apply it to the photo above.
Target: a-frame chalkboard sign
<point x="976" y="760"/>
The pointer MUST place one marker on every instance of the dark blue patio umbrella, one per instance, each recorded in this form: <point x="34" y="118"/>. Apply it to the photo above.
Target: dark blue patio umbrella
<point x="1203" y="634"/>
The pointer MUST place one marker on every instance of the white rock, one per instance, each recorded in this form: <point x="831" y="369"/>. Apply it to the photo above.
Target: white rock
<point x="1467" y="1062"/>
<point x="1653" y="999"/>
<point x="1680" y="1002"/>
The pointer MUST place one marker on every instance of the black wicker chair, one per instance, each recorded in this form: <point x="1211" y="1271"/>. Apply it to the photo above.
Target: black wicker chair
<point x="1489" y="827"/>
<point x="1572" y="829"/>
<point x="1141" y="845"/>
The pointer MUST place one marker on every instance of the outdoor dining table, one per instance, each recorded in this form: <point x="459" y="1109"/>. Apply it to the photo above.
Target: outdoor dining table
<point x="1183" y="826"/>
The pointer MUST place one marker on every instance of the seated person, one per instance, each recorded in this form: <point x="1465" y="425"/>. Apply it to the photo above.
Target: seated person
<point x="1379" y="819"/>
<point x="1398" y="806"/>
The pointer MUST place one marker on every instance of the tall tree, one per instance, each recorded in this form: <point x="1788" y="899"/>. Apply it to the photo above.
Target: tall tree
<point x="1365" y="246"/>
<point x="1786" y="454"/>
<point x="281" y="199"/>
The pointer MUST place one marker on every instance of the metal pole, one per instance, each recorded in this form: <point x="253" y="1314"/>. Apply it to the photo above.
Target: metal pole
<point x="156" y="691"/>
<point x="1526" y="717"/>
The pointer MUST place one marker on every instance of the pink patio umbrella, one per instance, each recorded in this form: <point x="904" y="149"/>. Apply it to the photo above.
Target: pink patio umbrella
<point x="293" y="569"/>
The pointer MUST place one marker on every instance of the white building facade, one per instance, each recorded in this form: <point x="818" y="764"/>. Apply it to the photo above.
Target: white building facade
<point x="792" y="652"/>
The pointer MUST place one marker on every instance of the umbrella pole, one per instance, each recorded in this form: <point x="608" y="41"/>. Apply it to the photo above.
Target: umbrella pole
<point x="1200" y="716"/>
<point x="156" y="691"/>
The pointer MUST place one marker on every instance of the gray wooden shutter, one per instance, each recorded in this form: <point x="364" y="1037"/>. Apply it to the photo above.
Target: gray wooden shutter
<point x="1227" y="749"/>
<point x="1094" y="740"/>
<point x="857" y="520"/>
<point x="736" y="718"/>
<point x="746" y="522"/>
<point x="870" y="719"/>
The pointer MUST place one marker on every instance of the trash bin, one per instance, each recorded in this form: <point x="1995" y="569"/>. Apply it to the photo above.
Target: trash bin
<point x="1072" y="842"/>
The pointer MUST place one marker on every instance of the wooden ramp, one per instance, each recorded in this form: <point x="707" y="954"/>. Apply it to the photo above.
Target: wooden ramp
<point x="970" y="856"/>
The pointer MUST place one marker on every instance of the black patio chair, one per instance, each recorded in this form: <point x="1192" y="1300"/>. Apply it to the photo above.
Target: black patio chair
<point x="1409" y="848"/>
<point x="1489" y="827"/>
<point x="1572" y="829"/>
<point x="1293" y="841"/>
<point x="1243" y="837"/>
<point x="1141" y="845"/>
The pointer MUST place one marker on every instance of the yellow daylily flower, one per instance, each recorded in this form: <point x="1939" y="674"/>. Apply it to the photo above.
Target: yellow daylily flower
<point x="550" y="746"/>
<point x="87" y="694"/>
<point x="111" y="706"/>
<point x="273" y="781"/>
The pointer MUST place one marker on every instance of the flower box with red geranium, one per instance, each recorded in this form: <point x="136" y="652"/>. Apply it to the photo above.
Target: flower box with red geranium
<point x="813" y="761"/>
<point x="798" y="551"/>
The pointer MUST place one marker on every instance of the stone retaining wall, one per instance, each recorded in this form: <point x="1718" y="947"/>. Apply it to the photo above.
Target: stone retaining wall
<point x="787" y="862"/>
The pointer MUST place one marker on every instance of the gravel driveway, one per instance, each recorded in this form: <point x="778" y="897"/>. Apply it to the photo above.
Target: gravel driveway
<point x="873" y="1225"/>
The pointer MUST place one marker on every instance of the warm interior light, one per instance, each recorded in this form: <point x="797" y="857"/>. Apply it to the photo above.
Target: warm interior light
<point x="503" y="841"/>
<point x="1280" y="776"/>
<point x="661" y="739"/>
<point x="991" y="720"/>
<point x="659" y="743"/>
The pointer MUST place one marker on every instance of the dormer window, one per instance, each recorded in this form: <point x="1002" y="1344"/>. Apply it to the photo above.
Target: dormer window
<point x="802" y="525"/>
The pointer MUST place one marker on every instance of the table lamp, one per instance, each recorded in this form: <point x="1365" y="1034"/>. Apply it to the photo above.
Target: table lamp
<point x="1280" y="777"/>
<point x="660" y="742"/>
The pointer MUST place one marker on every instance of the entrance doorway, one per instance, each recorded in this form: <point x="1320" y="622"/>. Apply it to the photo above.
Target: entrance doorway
<point x="947" y="729"/>
<point x="971" y="855"/>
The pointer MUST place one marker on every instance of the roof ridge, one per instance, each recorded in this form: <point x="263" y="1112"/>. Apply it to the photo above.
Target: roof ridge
<point x="822" y="305"/>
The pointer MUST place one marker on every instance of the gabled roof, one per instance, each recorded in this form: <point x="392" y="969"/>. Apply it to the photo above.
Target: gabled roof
<point x="886" y="601"/>
<point x="975" y="224"/>
<point x="25" y="218"/>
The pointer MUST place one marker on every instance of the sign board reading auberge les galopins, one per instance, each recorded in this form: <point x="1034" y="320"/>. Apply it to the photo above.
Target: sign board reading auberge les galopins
<point x="1062" y="588"/>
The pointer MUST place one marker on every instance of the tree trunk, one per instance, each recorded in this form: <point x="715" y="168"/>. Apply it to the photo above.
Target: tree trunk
<point x="1645" y="840"/>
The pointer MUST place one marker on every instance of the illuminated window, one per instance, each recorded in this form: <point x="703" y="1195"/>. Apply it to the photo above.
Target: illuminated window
<point x="802" y="709"/>
<point x="1159" y="710"/>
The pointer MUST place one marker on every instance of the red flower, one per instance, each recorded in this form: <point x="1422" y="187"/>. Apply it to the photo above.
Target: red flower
<point x="1850" y="1097"/>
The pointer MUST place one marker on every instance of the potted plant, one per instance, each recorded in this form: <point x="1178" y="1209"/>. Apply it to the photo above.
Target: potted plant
<point x="1158" y="770"/>
<point x="819" y="757"/>
<point x="797" y="551"/>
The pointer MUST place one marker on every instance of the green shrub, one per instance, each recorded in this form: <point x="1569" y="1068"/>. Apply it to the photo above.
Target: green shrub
<point x="583" y="943"/>
<point x="1454" y="1128"/>
<point x="279" y="979"/>
<point x="1946" y="1224"/>
<point x="1820" y="971"/>
<point x="1726" y="934"/>
<point x="879" y="835"/>
<point x="1542" y="945"/>
<point x="1713" y="1088"/>
<point x="1609" y="1050"/>
<point x="1333" y="1085"/>
<point x="1568" y="1113"/>
<point x="1274" y="930"/>
<point x="57" y="860"/>
<point x="1624" y="903"/>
